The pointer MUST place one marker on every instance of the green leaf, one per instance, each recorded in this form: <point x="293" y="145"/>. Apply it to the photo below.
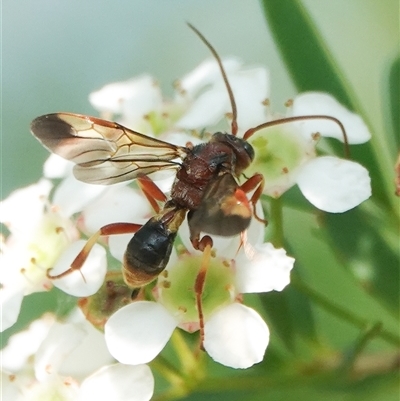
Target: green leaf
<point x="342" y="299"/>
<point x="359" y="241"/>
<point x="306" y="56"/>
<point x="394" y="99"/>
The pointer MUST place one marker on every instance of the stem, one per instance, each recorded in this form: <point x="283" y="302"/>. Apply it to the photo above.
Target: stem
<point x="190" y="364"/>
<point x="276" y="222"/>
<point x="366" y="336"/>
<point x="168" y="371"/>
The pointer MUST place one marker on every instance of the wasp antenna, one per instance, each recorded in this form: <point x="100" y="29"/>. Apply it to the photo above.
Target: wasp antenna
<point x="234" y="126"/>
<point x="285" y="120"/>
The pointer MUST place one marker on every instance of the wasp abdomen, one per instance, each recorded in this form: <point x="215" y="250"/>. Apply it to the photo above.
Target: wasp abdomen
<point x="148" y="252"/>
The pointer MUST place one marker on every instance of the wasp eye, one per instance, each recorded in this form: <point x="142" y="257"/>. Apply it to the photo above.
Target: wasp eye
<point x="249" y="150"/>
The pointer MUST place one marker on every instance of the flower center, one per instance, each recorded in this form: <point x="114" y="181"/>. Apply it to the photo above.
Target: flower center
<point x="43" y="250"/>
<point x="176" y="292"/>
<point x="279" y="152"/>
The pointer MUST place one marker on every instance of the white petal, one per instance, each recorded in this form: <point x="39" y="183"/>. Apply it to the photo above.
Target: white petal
<point x="206" y="110"/>
<point x="117" y="244"/>
<point x="22" y="345"/>
<point x="87" y="280"/>
<point x="22" y="209"/>
<point x="72" y="196"/>
<point x="117" y="204"/>
<point x="334" y="185"/>
<point x="324" y="104"/>
<point x="65" y="389"/>
<point x="141" y="93"/>
<point x="119" y="383"/>
<point x="146" y="99"/>
<point x="10" y="390"/>
<point x="205" y="74"/>
<point x="60" y="341"/>
<point x="138" y="332"/>
<point x="90" y="354"/>
<point x="57" y="167"/>
<point x="10" y="302"/>
<point x="250" y="88"/>
<point x="266" y="269"/>
<point x="236" y="336"/>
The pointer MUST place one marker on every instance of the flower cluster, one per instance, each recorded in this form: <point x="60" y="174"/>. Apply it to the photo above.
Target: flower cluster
<point x="68" y="361"/>
<point x="44" y="229"/>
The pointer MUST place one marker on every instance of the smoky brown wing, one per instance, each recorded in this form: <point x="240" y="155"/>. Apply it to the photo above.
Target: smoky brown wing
<point x="104" y="152"/>
<point x="221" y="212"/>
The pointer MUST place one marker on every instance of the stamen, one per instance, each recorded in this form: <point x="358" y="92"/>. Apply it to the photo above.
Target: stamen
<point x="316" y="136"/>
<point x="166" y="284"/>
<point x="289" y="103"/>
<point x="267" y="103"/>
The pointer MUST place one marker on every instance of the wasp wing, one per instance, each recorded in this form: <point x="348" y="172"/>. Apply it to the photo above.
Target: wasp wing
<point x="104" y="152"/>
<point x="224" y="209"/>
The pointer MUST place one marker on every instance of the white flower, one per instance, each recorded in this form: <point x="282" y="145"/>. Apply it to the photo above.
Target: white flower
<point x="137" y="101"/>
<point x="286" y="155"/>
<point x="69" y="361"/>
<point x="201" y="99"/>
<point x="139" y="331"/>
<point x="119" y="382"/>
<point x="263" y="268"/>
<point x="43" y="236"/>
<point x="315" y="103"/>
<point x="39" y="233"/>
<point x="207" y="95"/>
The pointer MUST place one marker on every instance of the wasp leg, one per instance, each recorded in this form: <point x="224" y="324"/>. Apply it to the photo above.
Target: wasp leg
<point x="109" y="229"/>
<point x="206" y="245"/>
<point x="152" y="192"/>
<point x="255" y="182"/>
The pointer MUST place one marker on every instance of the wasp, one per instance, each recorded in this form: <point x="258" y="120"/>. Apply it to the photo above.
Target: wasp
<point x="206" y="188"/>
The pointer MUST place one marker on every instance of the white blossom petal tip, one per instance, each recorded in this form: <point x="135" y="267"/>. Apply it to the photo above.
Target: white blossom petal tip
<point x="25" y="205"/>
<point x="334" y="185"/>
<point x="236" y="336"/>
<point x="138" y="332"/>
<point x="57" y="167"/>
<point x="314" y="103"/>
<point x="111" y="97"/>
<point x="119" y="382"/>
<point x="61" y="339"/>
<point x="10" y="303"/>
<point x="264" y="269"/>
<point x="206" y="73"/>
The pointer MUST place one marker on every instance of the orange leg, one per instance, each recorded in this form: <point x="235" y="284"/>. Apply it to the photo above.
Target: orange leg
<point x="206" y="244"/>
<point x="151" y="192"/>
<point x="109" y="229"/>
<point x="255" y="182"/>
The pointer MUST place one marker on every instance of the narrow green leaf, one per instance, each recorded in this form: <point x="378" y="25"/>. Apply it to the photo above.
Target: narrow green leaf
<point x="394" y="94"/>
<point x="306" y="56"/>
<point x="324" y="273"/>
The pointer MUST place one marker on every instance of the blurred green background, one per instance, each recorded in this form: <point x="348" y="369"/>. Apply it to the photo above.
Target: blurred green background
<point x="343" y="305"/>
